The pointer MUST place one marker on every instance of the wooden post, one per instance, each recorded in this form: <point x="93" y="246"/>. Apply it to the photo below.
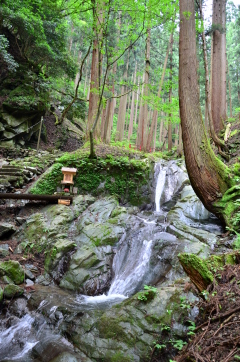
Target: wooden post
<point x="39" y="135"/>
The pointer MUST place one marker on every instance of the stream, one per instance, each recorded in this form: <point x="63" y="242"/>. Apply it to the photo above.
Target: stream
<point x="30" y="334"/>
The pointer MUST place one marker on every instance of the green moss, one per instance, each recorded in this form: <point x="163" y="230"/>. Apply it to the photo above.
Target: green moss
<point x="214" y="262"/>
<point x="193" y="262"/>
<point x="117" y="357"/>
<point x="12" y="290"/>
<point x="111" y="328"/>
<point x="13" y="270"/>
<point x="233" y="133"/>
<point x="48" y="184"/>
<point x="120" y="176"/>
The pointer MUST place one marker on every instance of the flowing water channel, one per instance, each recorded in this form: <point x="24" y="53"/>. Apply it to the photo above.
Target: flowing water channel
<point x="133" y="267"/>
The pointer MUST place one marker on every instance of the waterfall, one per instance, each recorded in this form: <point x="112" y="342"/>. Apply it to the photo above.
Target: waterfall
<point x="130" y="267"/>
<point x="159" y="187"/>
<point x="20" y="334"/>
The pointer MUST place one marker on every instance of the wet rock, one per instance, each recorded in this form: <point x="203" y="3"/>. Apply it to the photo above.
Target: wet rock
<point x="19" y="307"/>
<point x="44" y="279"/>
<point x="7" y="280"/>
<point x="99" y="212"/>
<point x="20" y="220"/>
<point x="6" y="229"/>
<point x="13" y="270"/>
<point x="68" y="357"/>
<point x="29" y="274"/>
<point x="50" y="348"/>
<point x="12" y="290"/>
<point x="4" y="250"/>
<point x="130" y="330"/>
<point x="81" y="202"/>
<point x="29" y="283"/>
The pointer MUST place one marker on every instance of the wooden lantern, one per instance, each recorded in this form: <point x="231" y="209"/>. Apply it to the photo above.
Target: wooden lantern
<point x="68" y="174"/>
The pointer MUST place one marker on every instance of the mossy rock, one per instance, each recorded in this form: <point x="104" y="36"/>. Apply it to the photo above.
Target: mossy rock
<point x="13" y="270"/>
<point x="12" y="290"/>
<point x="59" y="249"/>
<point x="103" y="234"/>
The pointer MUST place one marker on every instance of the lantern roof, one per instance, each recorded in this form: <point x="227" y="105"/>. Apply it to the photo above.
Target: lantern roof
<point x="69" y="169"/>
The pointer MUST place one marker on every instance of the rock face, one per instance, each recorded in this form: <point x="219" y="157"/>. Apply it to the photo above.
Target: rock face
<point x="103" y="259"/>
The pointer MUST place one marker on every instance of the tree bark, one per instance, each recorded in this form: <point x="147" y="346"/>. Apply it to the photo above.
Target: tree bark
<point x="207" y="174"/>
<point x="155" y="113"/>
<point x="143" y="119"/>
<point x="95" y="71"/>
<point x="130" y="130"/>
<point x="218" y="142"/>
<point x="230" y="93"/>
<point x="170" y="100"/>
<point x="218" y="65"/>
<point x="137" y="101"/>
<point x="122" y="107"/>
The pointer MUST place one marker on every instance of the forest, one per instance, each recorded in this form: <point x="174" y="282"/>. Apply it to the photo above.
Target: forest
<point x="140" y="100"/>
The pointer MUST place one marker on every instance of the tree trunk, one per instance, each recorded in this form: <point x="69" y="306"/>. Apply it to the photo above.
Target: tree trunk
<point x="230" y="93"/>
<point x="207" y="174"/>
<point x="130" y="130"/>
<point x="86" y="78"/>
<point x="170" y="100"/>
<point x="180" y="144"/>
<point x="78" y="73"/>
<point x="137" y="100"/>
<point x="95" y="70"/>
<point x="218" y="65"/>
<point x="176" y="136"/>
<point x="143" y="118"/>
<point x="94" y="85"/>
<point x="122" y="107"/>
<point x="218" y="142"/>
<point x="155" y="113"/>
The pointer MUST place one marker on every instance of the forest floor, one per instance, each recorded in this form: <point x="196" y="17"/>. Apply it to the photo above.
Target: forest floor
<point x="217" y="332"/>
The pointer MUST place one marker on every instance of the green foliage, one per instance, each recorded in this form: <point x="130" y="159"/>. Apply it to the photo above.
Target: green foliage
<point x="7" y="58"/>
<point x="49" y="184"/>
<point x="148" y="294"/>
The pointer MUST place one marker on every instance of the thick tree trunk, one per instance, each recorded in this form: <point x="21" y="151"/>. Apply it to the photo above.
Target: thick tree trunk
<point x="218" y="142"/>
<point x="207" y="174"/>
<point x="180" y="144"/>
<point x="218" y="65"/>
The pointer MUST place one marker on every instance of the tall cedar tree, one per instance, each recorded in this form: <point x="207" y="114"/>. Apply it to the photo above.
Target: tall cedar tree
<point x="209" y="177"/>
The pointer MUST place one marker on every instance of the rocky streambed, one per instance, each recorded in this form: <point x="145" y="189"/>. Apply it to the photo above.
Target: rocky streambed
<point x="112" y="287"/>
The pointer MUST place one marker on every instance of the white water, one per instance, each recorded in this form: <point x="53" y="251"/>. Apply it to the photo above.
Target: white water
<point x="130" y="272"/>
<point x="159" y="188"/>
<point x="15" y="336"/>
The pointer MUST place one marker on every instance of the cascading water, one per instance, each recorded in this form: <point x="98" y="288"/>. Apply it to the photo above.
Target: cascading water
<point x="159" y="187"/>
<point x="142" y="255"/>
<point x="130" y="272"/>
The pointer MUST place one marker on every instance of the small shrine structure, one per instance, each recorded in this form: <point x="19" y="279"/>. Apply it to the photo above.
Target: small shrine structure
<point x="67" y="183"/>
<point x="68" y="174"/>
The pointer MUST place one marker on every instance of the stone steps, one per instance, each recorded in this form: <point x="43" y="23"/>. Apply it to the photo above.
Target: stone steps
<point x="16" y="176"/>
